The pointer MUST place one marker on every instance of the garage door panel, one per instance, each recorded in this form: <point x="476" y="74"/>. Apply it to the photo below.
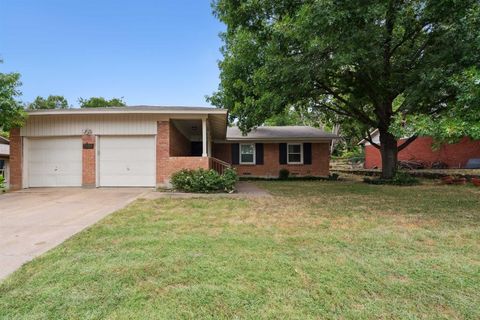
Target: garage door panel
<point x="127" y="161"/>
<point x="110" y="167"/>
<point x="55" y="162"/>
<point x="65" y="180"/>
<point x="42" y="180"/>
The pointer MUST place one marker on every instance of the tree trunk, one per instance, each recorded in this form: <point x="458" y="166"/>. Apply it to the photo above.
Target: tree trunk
<point x="335" y="130"/>
<point x="389" y="151"/>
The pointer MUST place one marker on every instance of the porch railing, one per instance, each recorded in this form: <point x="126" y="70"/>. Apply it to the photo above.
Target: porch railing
<point x="219" y="165"/>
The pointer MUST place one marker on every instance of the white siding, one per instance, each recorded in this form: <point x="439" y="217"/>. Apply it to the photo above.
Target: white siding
<point x="75" y="125"/>
<point x="4" y="149"/>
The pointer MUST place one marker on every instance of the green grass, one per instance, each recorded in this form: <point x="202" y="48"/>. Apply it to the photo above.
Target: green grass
<point x="317" y="249"/>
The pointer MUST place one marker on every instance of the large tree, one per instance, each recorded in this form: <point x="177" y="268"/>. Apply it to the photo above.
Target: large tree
<point x="461" y="119"/>
<point x="365" y="61"/>
<point x="100" y="102"/>
<point x="11" y="109"/>
<point x="51" y="102"/>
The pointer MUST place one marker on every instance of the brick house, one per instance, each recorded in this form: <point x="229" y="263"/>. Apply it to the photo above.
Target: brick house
<point x="422" y="149"/>
<point x="144" y="145"/>
<point x="304" y="151"/>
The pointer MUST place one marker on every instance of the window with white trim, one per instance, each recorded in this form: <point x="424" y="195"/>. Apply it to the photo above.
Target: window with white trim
<point x="295" y="153"/>
<point x="247" y="153"/>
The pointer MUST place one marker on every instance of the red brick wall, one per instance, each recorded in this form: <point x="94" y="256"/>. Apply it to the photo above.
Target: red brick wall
<point x="271" y="167"/>
<point x="178" y="163"/>
<point x="167" y="165"/>
<point x="222" y="151"/>
<point x="15" y="159"/>
<point x="88" y="162"/>
<point x="179" y="144"/>
<point x="454" y="155"/>
<point x="163" y="150"/>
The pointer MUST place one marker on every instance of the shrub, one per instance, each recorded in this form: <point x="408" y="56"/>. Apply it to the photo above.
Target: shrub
<point x="2" y="184"/>
<point x="204" y="181"/>
<point x="229" y="179"/>
<point x="333" y="176"/>
<point x="400" y="179"/>
<point x="283" y="174"/>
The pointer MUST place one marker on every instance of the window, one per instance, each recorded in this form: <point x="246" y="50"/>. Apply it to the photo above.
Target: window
<point x="295" y="154"/>
<point x="247" y="153"/>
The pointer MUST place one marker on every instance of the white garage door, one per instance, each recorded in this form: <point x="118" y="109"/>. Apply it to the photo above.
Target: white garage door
<point x="54" y="162"/>
<point x="127" y="161"/>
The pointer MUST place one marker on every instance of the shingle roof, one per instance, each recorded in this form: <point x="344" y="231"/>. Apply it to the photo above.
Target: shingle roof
<point x="280" y="133"/>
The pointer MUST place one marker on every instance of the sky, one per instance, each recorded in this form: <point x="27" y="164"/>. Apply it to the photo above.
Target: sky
<point x="152" y="52"/>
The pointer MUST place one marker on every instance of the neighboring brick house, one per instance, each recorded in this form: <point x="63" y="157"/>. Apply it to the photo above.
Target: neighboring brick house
<point x="145" y="145"/>
<point x="423" y="150"/>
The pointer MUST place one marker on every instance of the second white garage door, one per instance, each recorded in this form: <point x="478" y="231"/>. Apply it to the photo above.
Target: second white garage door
<point x="126" y="161"/>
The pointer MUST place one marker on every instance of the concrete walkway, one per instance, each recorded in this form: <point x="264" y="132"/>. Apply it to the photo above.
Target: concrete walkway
<point x="35" y="220"/>
<point x="250" y="189"/>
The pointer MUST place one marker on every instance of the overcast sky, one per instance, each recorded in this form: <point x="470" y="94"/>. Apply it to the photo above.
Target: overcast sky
<point x="155" y="52"/>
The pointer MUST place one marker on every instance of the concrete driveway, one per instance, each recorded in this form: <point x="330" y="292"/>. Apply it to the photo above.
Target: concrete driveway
<point x="35" y="220"/>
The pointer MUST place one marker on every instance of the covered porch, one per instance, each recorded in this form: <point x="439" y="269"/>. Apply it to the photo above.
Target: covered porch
<point x="191" y="141"/>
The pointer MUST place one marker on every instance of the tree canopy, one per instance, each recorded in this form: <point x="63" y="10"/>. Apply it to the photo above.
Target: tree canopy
<point x="372" y="62"/>
<point x="461" y="119"/>
<point x="100" y="102"/>
<point x="11" y="109"/>
<point x="51" y="102"/>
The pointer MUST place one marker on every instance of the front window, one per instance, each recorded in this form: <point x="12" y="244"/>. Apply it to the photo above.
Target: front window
<point x="295" y="154"/>
<point x="247" y="153"/>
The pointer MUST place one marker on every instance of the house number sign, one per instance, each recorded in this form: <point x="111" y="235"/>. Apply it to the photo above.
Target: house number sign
<point x="88" y="146"/>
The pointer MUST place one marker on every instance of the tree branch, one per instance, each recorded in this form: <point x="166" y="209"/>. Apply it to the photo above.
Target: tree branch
<point x="339" y="111"/>
<point x="356" y="112"/>
<point x="369" y="139"/>
<point x="408" y="36"/>
<point x="407" y="142"/>
<point x="433" y="107"/>
<point x="387" y="44"/>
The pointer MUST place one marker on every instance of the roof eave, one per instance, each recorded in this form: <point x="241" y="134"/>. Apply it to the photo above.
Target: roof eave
<point x="282" y="139"/>
<point x="126" y="111"/>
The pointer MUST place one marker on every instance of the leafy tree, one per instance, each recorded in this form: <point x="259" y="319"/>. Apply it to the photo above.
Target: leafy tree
<point x="51" y="102"/>
<point x="312" y="117"/>
<point x="11" y="110"/>
<point x="460" y="120"/>
<point x="296" y="116"/>
<point x="366" y="62"/>
<point x="286" y="118"/>
<point x="100" y="102"/>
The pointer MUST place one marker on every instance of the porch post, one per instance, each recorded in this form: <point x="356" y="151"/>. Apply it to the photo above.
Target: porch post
<point x="204" y="137"/>
<point x="209" y="142"/>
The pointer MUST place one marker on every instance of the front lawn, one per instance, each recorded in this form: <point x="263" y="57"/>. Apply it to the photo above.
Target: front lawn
<point x="317" y="249"/>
